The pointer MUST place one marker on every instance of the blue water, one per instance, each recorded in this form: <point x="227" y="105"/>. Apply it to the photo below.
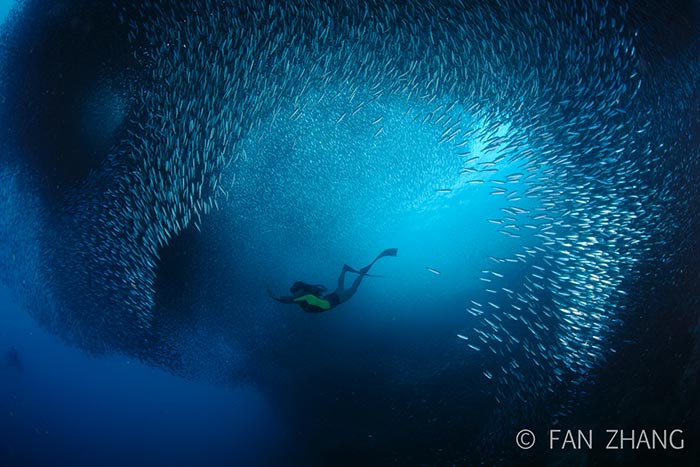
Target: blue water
<point x="68" y="408"/>
<point x="545" y="280"/>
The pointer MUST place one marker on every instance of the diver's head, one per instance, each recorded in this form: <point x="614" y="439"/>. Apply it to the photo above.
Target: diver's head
<point x="302" y="288"/>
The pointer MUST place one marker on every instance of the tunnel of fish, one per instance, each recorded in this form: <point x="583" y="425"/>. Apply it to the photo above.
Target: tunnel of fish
<point x="164" y="162"/>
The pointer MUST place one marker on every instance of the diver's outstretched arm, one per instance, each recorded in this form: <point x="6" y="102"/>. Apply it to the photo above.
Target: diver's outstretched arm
<point x="286" y="299"/>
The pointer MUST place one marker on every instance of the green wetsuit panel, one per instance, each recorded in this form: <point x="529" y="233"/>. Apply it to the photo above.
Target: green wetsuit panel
<point x="315" y="301"/>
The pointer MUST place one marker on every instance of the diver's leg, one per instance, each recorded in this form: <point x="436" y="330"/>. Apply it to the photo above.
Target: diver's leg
<point x="356" y="283"/>
<point x="345" y="294"/>
<point x="341" y="278"/>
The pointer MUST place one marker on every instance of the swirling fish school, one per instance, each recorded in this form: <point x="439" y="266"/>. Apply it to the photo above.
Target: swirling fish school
<point x="540" y="101"/>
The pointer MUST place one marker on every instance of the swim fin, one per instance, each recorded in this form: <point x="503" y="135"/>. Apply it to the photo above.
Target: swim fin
<point x="351" y="269"/>
<point x="387" y="252"/>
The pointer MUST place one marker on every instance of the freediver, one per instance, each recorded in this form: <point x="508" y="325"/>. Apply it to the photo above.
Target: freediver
<point x="12" y="360"/>
<point x="312" y="297"/>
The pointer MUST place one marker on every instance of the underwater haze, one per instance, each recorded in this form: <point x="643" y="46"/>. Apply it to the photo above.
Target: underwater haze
<point x="178" y="177"/>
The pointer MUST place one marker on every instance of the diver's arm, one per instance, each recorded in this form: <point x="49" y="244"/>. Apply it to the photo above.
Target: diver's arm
<point x="287" y="299"/>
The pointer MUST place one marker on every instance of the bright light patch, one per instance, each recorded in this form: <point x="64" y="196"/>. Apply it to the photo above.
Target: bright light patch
<point x="6" y="6"/>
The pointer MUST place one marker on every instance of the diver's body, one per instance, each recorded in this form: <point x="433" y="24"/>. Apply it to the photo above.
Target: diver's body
<point x="313" y="299"/>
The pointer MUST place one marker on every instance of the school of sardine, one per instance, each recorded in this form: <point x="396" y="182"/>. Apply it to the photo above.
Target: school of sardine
<point x="542" y="102"/>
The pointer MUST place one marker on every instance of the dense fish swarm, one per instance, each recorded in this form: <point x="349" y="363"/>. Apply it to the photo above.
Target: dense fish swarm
<point x="538" y="100"/>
